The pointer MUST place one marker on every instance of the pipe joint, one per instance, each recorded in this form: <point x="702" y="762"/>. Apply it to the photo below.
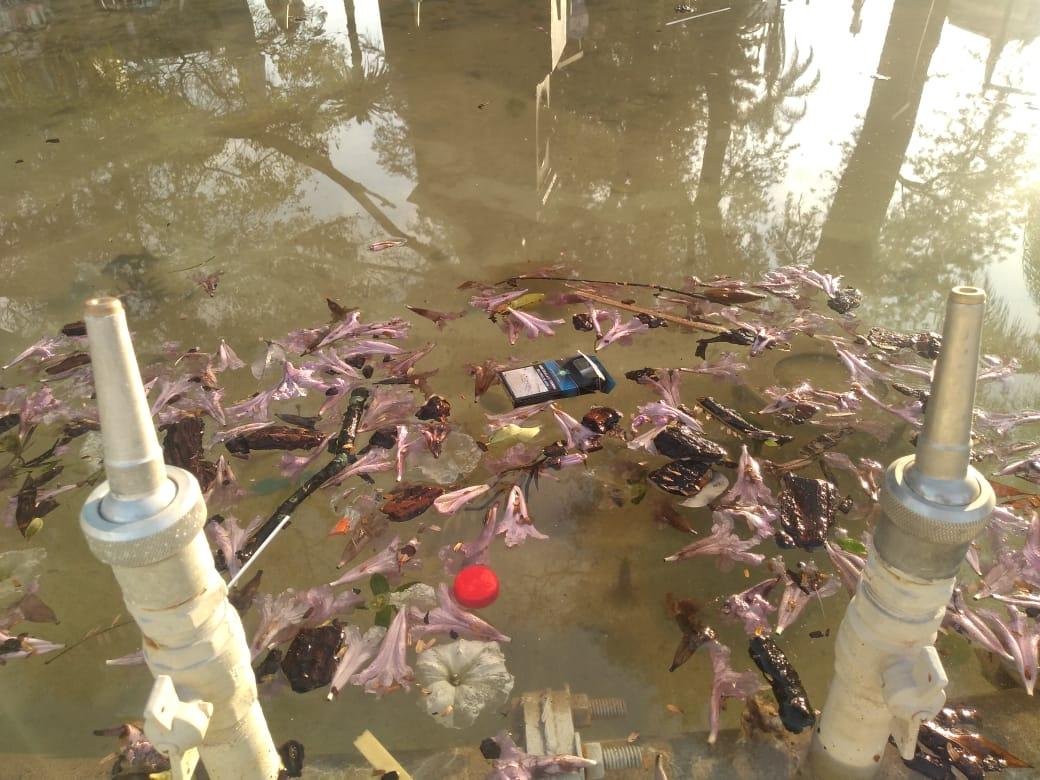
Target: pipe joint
<point x="923" y="536"/>
<point x="148" y="539"/>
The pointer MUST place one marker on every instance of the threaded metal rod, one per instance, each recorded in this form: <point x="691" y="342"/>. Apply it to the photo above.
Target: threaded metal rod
<point x="608" y="707"/>
<point x="617" y="757"/>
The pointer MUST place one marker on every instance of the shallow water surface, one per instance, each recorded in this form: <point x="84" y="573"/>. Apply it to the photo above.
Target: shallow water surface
<point x="148" y="143"/>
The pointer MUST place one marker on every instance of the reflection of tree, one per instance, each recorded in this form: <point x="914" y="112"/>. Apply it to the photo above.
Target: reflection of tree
<point x="865" y="189"/>
<point x="1031" y="248"/>
<point x="227" y="126"/>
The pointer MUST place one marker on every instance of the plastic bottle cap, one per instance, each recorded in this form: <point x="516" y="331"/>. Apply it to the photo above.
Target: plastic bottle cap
<point x="476" y="587"/>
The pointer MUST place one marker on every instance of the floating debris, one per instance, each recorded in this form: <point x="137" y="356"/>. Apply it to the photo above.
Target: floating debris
<point x="795" y="711"/>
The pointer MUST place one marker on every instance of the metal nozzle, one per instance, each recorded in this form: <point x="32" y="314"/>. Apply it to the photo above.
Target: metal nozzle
<point x="133" y="459"/>
<point x="940" y="469"/>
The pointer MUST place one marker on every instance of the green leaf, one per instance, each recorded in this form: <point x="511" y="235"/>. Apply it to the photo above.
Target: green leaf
<point x="379" y="585"/>
<point x="850" y="545"/>
<point x="385" y="616"/>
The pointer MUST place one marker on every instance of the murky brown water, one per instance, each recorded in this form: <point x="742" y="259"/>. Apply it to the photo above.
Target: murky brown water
<point x="143" y="143"/>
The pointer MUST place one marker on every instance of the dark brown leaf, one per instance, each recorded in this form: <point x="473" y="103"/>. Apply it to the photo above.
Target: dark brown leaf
<point x="410" y="501"/>
<point x="274" y="437"/>
<point x="77" y="328"/>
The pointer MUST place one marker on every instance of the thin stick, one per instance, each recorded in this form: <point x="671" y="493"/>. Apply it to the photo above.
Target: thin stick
<point x="344" y="447"/>
<point x="696" y="16"/>
<point x="751" y="296"/>
<point x="89" y="635"/>
<point x="708" y="327"/>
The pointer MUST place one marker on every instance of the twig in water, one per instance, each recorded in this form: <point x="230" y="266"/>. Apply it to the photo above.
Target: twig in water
<point x="696" y="16"/>
<point x="344" y="448"/>
<point x="94" y="632"/>
<point x="708" y="327"/>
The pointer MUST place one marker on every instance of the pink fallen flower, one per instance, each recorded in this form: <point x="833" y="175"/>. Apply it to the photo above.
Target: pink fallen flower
<point x="403" y="365"/>
<point x="667" y="386"/>
<point x="1019" y="639"/>
<point x="516" y="523"/>
<point x="133" y="658"/>
<point x="448" y="617"/>
<point x="408" y="440"/>
<point x="282" y="616"/>
<point x="227" y="360"/>
<point x="225" y="489"/>
<point x="795" y="598"/>
<point x="229" y="537"/>
<point x="621" y="332"/>
<point x="859" y="369"/>
<point x="576" y="434"/>
<point x="722" y="543"/>
<point x="388" y="405"/>
<point x="661" y="413"/>
<point x="29" y="608"/>
<point x="44" y="349"/>
<point x="496" y="421"/>
<point x="727" y="684"/>
<point x="911" y="413"/>
<point x="973" y="627"/>
<point x="372" y="462"/>
<point x="365" y="348"/>
<point x="391" y="563"/>
<point x="1002" y="423"/>
<point x="389" y="669"/>
<point x="23" y="646"/>
<point x="169" y="389"/>
<point x="458" y="556"/>
<point x="292" y="466"/>
<point x="1014" y="566"/>
<point x="41" y="407"/>
<point x="752" y="606"/>
<point x="514" y="764"/>
<point x="359" y="649"/>
<point x="749" y="489"/>
<point x="450" y="503"/>
<point x="517" y="322"/>
<point x="725" y="366"/>
<point x="352" y="327"/>
<point x="517" y="456"/>
<point x="848" y="565"/>
<point x="492" y="301"/>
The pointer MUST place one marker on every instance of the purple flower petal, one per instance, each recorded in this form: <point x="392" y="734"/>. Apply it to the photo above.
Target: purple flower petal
<point x="448" y="617"/>
<point x="576" y="434"/>
<point x="516" y="522"/>
<point x="620" y="331"/>
<point x="752" y="607"/>
<point x="457" y="557"/>
<point x="848" y="565"/>
<point x="727" y="684"/>
<point x="722" y="543"/>
<point x="359" y="649"/>
<point x="227" y="360"/>
<point x="530" y="325"/>
<point x="391" y="563"/>
<point x="491" y="301"/>
<point x="389" y="669"/>
<point x="496" y="421"/>
<point x="229" y="538"/>
<point x="450" y="503"/>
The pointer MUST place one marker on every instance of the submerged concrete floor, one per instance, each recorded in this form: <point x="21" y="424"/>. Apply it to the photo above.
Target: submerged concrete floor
<point x="144" y="144"/>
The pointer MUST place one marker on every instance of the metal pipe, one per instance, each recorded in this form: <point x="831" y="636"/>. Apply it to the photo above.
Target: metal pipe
<point x="145" y="521"/>
<point x="887" y="675"/>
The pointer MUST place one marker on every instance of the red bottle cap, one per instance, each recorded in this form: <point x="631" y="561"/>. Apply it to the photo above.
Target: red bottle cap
<point x="476" y="587"/>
